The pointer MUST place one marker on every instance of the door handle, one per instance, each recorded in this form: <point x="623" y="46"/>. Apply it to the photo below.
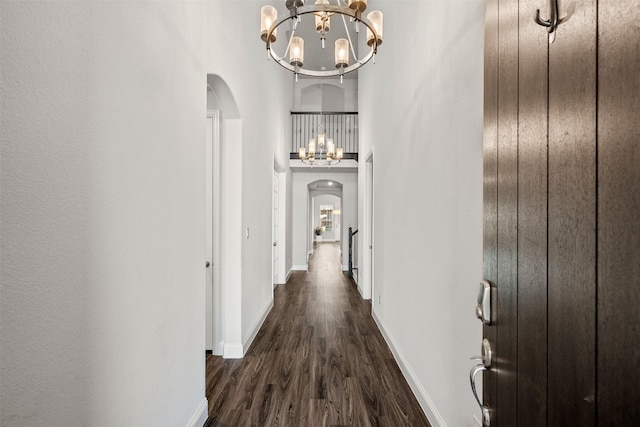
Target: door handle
<point x="483" y="307"/>
<point x="486" y="358"/>
<point x="207" y="264"/>
<point x="275" y="243"/>
<point x="486" y="416"/>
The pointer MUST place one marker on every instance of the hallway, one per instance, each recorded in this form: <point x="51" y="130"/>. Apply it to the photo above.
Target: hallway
<point x="318" y="360"/>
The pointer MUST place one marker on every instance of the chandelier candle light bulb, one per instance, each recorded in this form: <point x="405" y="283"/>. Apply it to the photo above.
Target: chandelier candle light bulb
<point x="268" y="15"/>
<point x="342" y="53"/>
<point x="312" y="151"/>
<point x="296" y="52"/>
<point x="376" y="19"/>
<point x="331" y="148"/>
<point x="312" y="147"/>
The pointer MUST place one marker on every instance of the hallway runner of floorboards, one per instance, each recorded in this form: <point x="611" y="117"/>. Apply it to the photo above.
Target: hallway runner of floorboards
<point x="318" y="360"/>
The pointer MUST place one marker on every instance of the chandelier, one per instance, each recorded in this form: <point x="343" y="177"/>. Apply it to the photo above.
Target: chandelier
<point x="322" y="11"/>
<point x="322" y="151"/>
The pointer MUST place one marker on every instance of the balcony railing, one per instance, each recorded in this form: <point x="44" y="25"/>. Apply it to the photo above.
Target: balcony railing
<point x="342" y="127"/>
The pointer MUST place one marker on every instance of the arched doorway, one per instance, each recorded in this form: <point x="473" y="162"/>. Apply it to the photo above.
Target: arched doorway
<point x="223" y="212"/>
<point x="324" y="221"/>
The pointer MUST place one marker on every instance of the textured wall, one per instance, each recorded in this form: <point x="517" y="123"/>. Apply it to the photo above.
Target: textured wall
<point x="102" y="198"/>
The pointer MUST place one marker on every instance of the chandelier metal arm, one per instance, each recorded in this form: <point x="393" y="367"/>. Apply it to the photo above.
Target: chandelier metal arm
<point x="327" y="8"/>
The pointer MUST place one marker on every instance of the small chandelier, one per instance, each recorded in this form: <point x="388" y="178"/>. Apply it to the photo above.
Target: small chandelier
<point x="323" y="11"/>
<point x="322" y="151"/>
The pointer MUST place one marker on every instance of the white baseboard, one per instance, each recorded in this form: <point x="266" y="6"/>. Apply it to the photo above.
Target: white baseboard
<point x="288" y="275"/>
<point x="256" y="327"/>
<point x="300" y="267"/>
<point x="200" y="417"/>
<point x="218" y="348"/>
<point x="345" y="267"/>
<point x="232" y="351"/>
<point x="427" y="405"/>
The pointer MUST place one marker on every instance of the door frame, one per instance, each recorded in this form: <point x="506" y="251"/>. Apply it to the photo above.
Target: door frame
<point x="213" y="327"/>
<point x="281" y="274"/>
<point x="367" y="241"/>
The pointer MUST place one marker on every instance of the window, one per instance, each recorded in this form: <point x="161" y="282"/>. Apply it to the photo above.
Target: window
<point x="326" y="217"/>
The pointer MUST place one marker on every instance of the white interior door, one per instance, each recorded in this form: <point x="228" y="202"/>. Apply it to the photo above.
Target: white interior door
<point x="368" y="235"/>
<point x="209" y="238"/>
<point x="275" y="250"/>
<point x="214" y="339"/>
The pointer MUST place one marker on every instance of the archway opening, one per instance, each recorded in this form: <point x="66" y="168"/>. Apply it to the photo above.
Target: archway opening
<point x="224" y="170"/>
<point x="324" y="223"/>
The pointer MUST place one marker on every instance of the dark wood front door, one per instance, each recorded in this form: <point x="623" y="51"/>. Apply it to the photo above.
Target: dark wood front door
<point x="562" y="212"/>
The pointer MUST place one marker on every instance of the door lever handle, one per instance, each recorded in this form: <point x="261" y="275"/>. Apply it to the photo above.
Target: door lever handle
<point x="486" y="358"/>
<point x="486" y="415"/>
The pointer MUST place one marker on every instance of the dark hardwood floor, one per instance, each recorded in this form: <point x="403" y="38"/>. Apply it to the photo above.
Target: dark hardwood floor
<point x="318" y="360"/>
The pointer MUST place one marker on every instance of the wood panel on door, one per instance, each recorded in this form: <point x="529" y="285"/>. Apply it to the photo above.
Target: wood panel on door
<point x="490" y="184"/>
<point x="572" y="218"/>
<point x="561" y="209"/>
<point x="618" y="212"/>
<point x="532" y="217"/>
<point x="506" y="320"/>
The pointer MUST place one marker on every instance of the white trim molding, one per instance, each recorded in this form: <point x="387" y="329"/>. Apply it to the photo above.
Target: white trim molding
<point x="237" y="351"/>
<point x="301" y="267"/>
<point x="200" y="416"/>
<point x="427" y="405"/>
<point x="232" y="351"/>
<point x="256" y="328"/>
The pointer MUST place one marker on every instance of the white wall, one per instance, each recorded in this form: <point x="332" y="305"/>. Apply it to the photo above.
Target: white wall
<point x="238" y="58"/>
<point x="102" y="201"/>
<point x="421" y="110"/>
<point x="312" y="94"/>
<point x="300" y="226"/>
